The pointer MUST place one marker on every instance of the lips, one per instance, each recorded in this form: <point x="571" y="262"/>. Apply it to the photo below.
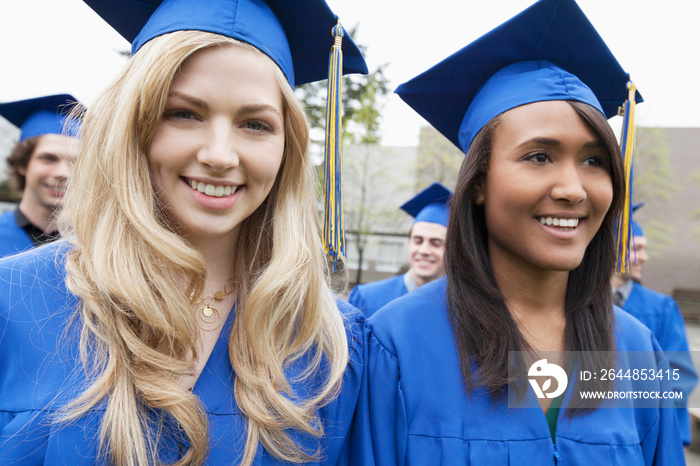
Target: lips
<point x="58" y="191"/>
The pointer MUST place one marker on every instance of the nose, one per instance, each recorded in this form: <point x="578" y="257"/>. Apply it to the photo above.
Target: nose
<point x="63" y="170"/>
<point x="424" y="248"/>
<point x="641" y="256"/>
<point x="568" y="185"/>
<point x="218" y="152"/>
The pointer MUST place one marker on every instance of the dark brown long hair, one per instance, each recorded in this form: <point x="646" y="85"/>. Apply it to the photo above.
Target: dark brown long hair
<point x="483" y="327"/>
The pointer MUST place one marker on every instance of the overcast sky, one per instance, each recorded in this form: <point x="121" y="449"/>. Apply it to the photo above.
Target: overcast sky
<point x="57" y="46"/>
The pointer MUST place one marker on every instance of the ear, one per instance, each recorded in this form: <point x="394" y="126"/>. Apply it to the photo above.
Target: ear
<point x="479" y="190"/>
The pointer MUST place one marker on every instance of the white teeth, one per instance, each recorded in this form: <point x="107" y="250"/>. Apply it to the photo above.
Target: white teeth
<point x="560" y="222"/>
<point x="212" y="190"/>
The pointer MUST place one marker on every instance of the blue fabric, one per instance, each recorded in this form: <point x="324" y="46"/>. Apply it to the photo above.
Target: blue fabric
<point x="41" y="115"/>
<point x="13" y="239"/>
<point x="370" y="297"/>
<point x="40" y="370"/>
<point x="295" y="35"/>
<point x="414" y="409"/>
<point x="637" y="229"/>
<point x="518" y="84"/>
<point x="434" y="213"/>
<point x="661" y="314"/>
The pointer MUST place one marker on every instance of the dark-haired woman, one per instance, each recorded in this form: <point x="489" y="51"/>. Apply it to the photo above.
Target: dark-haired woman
<point x="530" y="247"/>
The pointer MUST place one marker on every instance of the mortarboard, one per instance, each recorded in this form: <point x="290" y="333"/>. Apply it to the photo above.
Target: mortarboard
<point x="296" y="35"/>
<point x="41" y="115"/>
<point x="430" y="205"/>
<point x="547" y="52"/>
<point x="550" y="51"/>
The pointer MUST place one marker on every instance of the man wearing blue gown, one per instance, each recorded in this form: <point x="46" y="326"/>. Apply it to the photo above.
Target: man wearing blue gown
<point x="661" y="314"/>
<point x="39" y="166"/>
<point x="426" y="247"/>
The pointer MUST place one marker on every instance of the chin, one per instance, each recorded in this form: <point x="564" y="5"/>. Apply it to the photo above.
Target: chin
<point x="562" y="264"/>
<point x="428" y="277"/>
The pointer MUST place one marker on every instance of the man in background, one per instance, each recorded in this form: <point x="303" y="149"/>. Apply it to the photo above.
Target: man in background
<point x="426" y="247"/>
<point x="39" y="167"/>
<point x="661" y="314"/>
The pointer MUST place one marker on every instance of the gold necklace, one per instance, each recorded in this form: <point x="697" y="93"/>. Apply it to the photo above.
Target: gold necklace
<point x="208" y="317"/>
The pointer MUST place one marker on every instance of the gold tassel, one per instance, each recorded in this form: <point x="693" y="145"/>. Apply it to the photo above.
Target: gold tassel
<point x="624" y="233"/>
<point x="333" y="226"/>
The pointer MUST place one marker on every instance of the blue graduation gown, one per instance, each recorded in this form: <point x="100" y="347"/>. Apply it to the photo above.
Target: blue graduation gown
<point x="370" y="297"/>
<point x="13" y="239"/>
<point x="661" y="314"/>
<point x="40" y="370"/>
<point x="415" y="410"/>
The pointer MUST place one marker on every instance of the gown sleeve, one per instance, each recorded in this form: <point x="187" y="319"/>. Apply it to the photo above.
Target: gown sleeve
<point x="662" y="445"/>
<point x="337" y="416"/>
<point x="381" y="422"/>
<point x="356" y="298"/>
<point x="674" y="343"/>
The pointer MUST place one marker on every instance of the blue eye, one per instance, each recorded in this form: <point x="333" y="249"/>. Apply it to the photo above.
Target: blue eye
<point x="184" y="114"/>
<point x="258" y="125"/>
<point x="180" y="114"/>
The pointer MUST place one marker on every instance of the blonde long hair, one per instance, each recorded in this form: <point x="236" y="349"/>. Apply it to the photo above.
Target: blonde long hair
<point x="128" y="264"/>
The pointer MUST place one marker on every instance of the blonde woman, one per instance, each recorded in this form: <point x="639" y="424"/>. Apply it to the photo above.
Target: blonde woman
<point x="187" y="317"/>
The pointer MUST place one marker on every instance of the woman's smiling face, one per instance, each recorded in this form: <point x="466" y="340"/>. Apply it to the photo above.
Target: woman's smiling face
<point x="547" y="188"/>
<point x="218" y="147"/>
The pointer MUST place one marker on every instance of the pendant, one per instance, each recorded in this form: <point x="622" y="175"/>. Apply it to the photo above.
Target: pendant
<point x="208" y="318"/>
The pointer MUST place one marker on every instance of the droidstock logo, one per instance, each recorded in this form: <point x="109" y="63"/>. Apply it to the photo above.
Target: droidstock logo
<point x="542" y="368"/>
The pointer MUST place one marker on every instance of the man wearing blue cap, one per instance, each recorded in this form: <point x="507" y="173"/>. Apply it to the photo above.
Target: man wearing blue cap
<point x="426" y="248"/>
<point x="661" y="314"/>
<point x="39" y="166"/>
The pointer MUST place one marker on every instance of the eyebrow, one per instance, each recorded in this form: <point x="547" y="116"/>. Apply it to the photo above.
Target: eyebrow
<point x="188" y="98"/>
<point x="257" y="108"/>
<point x="557" y="143"/>
<point x="245" y="110"/>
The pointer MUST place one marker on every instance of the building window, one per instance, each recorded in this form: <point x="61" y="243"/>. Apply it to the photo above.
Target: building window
<point x="353" y="256"/>
<point x="390" y="256"/>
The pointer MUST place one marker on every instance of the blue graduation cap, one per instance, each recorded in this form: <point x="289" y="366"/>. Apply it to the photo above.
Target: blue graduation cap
<point x="550" y="51"/>
<point x="294" y="34"/>
<point x="430" y="205"/>
<point x="42" y="115"/>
